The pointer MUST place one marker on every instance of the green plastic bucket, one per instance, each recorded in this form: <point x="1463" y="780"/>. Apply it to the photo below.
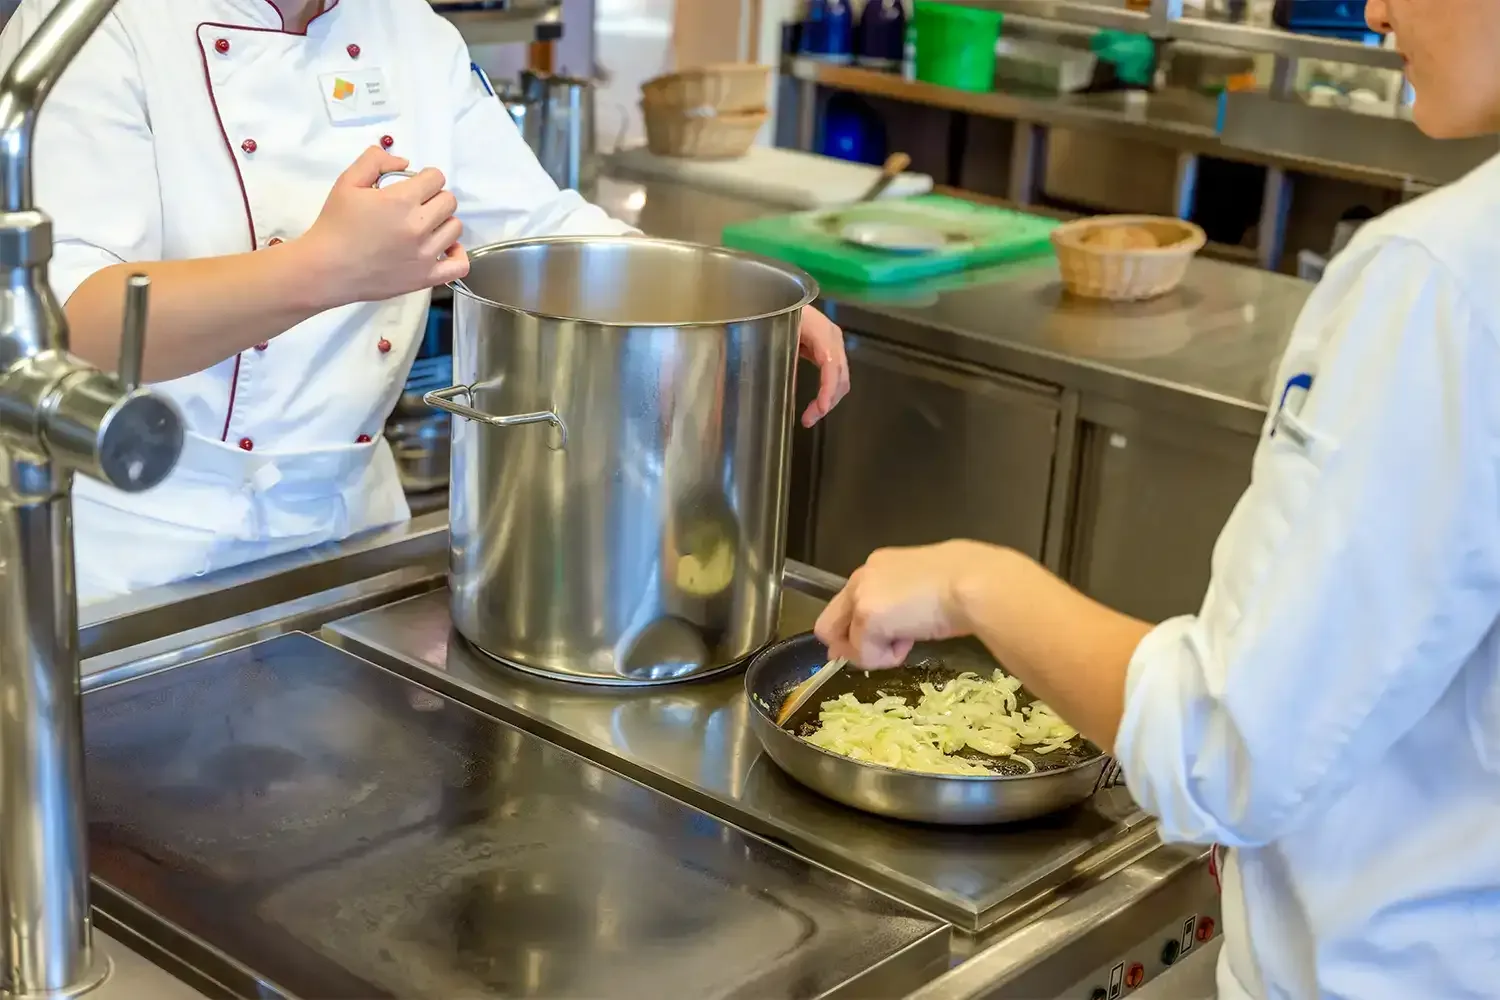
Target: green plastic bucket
<point x="956" y="45"/>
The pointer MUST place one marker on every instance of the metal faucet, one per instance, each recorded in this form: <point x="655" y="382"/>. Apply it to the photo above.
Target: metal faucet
<point x="58" y="416"/>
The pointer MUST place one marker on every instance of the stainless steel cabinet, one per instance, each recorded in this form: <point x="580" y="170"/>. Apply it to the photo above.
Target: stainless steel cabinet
<point x="925" y="450"/>
<point x="1150" y="505"/>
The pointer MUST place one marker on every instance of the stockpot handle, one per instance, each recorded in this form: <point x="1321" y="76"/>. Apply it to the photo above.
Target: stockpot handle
<point x="443" y="399"/>
<point x="380" y="181"/>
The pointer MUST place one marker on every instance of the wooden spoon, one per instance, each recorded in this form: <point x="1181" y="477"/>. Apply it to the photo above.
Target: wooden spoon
<point x="802" y="692"/>
<point x="895" y="166"/>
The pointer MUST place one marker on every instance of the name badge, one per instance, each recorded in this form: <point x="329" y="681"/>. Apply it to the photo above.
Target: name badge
<point x="357" y="97"/>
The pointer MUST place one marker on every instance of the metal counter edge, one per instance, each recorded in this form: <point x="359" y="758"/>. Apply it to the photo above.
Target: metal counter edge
<point x="179" y="607"/>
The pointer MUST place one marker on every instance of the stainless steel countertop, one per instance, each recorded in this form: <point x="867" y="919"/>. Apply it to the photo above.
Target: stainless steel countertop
<point x="694" y="741"/>
<point x="1207" y="352"/>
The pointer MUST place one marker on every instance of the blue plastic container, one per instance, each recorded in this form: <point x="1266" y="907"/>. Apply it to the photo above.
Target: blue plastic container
<point x="828" y="31"/>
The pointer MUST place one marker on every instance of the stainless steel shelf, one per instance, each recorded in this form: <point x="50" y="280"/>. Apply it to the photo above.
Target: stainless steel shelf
<point x="1180" y="120"/>
<point x="486" y="22"/>
<point x="1246" y="38"/>
<point x="1391" y="146"/>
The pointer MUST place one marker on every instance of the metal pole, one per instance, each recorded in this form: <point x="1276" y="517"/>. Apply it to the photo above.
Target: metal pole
<point x="574" y="141"/>
<point x="44" y="863"/>
<point x="1028" y="162"/>
<point x="807" y="115"/>
<point x="1185" y="186"/>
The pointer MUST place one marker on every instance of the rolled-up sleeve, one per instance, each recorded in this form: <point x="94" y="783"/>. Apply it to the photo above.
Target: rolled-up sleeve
<point x="1355" y="577"/>
<point x="503" y="192"/>
<point x="94" y="159"/>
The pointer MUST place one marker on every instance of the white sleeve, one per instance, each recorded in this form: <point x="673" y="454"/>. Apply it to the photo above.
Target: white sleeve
<point x="1358" y="573"/>
<point x="503" y="192"/>
<point x="94" y="160"/>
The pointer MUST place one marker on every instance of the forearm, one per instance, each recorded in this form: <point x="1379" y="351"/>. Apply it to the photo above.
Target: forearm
<point x="201" y="311"/>
<point x="1070" y="651"/>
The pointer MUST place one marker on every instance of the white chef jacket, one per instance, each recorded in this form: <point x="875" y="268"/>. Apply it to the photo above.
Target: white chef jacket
<point x="195" y="129"/>
<point x="1332" y="714"/>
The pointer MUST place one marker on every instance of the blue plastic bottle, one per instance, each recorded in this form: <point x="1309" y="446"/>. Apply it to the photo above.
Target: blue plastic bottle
<point x="828" y="32"/>
<point x="882" y="35"/>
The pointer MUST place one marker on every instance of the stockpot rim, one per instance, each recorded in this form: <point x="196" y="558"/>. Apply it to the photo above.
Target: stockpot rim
<point x="809" y="284"/>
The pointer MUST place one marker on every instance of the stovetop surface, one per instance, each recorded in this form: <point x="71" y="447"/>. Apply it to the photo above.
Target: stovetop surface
<point x="345" y="833"/>
<point x="693" y="740"/>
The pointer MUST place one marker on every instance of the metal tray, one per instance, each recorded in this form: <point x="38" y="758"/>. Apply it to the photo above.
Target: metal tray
<point x="694" y="741"/>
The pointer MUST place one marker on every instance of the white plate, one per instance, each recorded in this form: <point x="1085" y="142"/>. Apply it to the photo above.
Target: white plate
<point x="893" y="237"/>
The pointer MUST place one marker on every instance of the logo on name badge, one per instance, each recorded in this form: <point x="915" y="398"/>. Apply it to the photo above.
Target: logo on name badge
<point x="356" y="97"/>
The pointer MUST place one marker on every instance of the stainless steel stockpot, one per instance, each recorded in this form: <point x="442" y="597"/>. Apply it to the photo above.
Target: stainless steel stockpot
<point x="619" y="476"/>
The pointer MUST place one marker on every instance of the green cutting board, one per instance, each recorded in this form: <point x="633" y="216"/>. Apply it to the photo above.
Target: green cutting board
<point x="976" y="235"/>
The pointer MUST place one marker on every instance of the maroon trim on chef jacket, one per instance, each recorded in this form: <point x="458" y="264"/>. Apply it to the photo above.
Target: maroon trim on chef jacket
<point x="310" y="20"/>
<point x="239" y="178"/>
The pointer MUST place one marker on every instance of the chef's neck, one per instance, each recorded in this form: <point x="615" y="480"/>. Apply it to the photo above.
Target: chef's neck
<point x="296" y="13"/>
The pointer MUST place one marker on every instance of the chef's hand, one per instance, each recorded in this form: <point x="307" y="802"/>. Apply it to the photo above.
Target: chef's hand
<point x="376" y="243"/>
<point x="822" y="342"/>
<point x="900" y="597"/>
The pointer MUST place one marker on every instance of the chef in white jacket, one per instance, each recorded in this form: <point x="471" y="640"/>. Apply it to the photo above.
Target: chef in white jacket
<point x="229" y="149"/>
<point x="1331" y="715"/>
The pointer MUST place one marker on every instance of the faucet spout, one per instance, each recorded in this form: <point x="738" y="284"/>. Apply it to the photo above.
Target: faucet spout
<point x="58" y="417"/>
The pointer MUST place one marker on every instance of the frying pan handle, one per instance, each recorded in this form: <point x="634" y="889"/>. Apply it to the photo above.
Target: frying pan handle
<point x="1112" y="775"/>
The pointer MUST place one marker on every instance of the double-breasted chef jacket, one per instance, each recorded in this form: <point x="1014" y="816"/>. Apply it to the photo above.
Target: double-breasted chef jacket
<point x="1332" y="713"/>
<point x="200" y="128"/>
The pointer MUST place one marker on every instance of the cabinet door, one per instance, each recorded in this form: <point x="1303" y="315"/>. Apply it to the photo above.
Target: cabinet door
<point x="1150" y="507"/>
<point x="923" y="450"/>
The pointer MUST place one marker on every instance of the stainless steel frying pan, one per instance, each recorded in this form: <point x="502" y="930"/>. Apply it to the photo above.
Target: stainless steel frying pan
<point x="1062" y="778"/>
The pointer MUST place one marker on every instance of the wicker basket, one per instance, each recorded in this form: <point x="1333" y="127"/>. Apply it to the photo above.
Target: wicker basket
<point x="674" y="132"/>
<point x="724" y="87"/>
<point x="1125" y="275"/>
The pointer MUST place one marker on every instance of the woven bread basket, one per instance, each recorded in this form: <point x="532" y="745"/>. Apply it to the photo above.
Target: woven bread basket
<point x="723" y="87"/>
<point x="1096" y="266"/>
<point x="674" y="132"/>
